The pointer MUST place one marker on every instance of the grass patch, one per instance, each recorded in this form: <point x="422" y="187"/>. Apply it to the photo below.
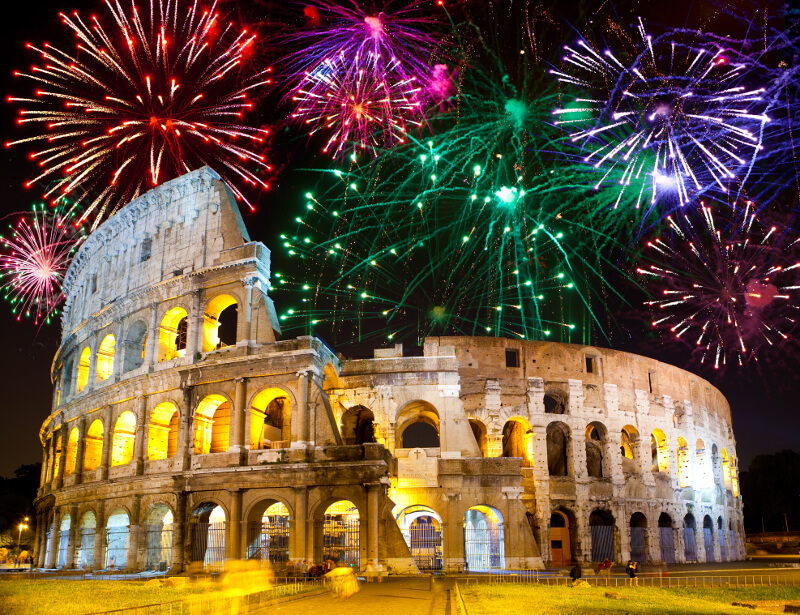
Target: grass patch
<point x="558" y="600"/>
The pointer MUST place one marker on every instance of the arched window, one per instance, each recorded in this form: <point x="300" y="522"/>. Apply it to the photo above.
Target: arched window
<point x="357" y="425"/>
<point x="72" y="452"/>
<point x="270" y="419"/>
<point x="162" y="437"/>
<point x="555" y="402"/>
<point x="124" y="436"/>
<point x="59" y="442"/>
<point x="628" y="448"/>
<point x="418" y="426"/>
<point x="518" y="441"/>
<point x="684" y="464"/>
<point x="559" y="450"/>
<point x="93" y="450"/>
<point x="105" y="358"/>
<point x="66" y="377"/>
<point x="659" y="451"/>
<point x="595" y="438"/>
<point x="726" y="470"/>
<point x="212" y="425"/>
<point x="134" y="347"/>
<point x="479" y="432"/>
<point x="705" y="473"/>
<point x="83" y="369"/>
<point x="734" y="477"/>
<point x="172" y="334"/>
<point x="219" y="323"/>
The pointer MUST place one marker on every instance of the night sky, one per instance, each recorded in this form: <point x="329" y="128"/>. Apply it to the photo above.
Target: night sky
<point x="764" y="400"/>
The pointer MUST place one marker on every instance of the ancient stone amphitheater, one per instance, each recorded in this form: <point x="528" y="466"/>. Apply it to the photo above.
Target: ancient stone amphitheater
<point x="184" y="432"/>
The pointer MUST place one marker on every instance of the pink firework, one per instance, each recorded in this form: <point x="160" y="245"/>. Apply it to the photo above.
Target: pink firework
<point x="144" y="98"/>
<point x="34" y="260"/>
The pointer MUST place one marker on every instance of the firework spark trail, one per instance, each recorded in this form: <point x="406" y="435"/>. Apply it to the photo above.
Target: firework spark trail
<point x="727" y="283"/>
<point x="142" y="102"/>
<point x="34" y="258"/>
<point x="674" y="121"/>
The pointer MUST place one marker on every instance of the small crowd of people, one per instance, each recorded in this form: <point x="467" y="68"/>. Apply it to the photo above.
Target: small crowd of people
<point x="604" y="569"/>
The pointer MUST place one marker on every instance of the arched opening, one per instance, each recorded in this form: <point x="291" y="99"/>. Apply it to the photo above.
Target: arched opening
<point x="56" y="465"/>
<point x="555" y="402"/>
<point x="484" y="543"/>
<point x="705" y="474"/>
<point x="708" y="538"/>
<point x="208" y="524"/>
<point x="66" y="377"/>
<point x="601" y="527"/>
<point x="270" y="419"/>
<point x="72" y="452"/>
<point x="134" y="346"/>
<point x="595" y="438"/>
<point x="162" y="434"/>
<point x="518" y="441"/>
<point x="124" y="437"/>
<point x="83" y="369"/>
<point x="117" y="537"/>
<point x="716" y="466"/>
<point x="659" y="451"/>
<point x="172" y="334"/>
<point x="726" y="470"/>
<point x="734" y="477"/>
<point x="48" y="540"/>
<point x="689" y="549"/>
<point x="418" y="426"/>
<point x="105" y="358"/>
<point x="723" y="547"/>
<point x="158" y="538"/>
<point x="63" y="541"/>
<point x="479" y="432"/>
<point x="341" y="534"/>
<point x="212" y="425"/>
<point x="93" y="449"/>
<point x="268" y="535"/>
<point x="559" y="450"/>
<point x="639" y="537"/>
<point x="421" y="527"/>
<point x="684" y="464"/>
<point x="85" y="551"/>
<point x="219" y="323"/>
<point x="628" y="448"/>
<point x="666" y="538"/>
<point x="562" y="526"/>
<point x="357" y="425"/>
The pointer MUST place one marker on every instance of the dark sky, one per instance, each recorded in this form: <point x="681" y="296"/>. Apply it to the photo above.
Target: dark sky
<point x="765" y="408"/>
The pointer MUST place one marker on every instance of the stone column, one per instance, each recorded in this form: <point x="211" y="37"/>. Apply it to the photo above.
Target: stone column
<point x="247" y="328"/>
<point x="373" y="523"/>
<point x="297" y="544"/>
<point x="119" y="354"/>
<point x="300" y="414"/>
<point x="80" y="453"/>
<point x="45" y="460"/>
<point x="234" y="544"/>
<point x="514" y="547"/>
<point x="699" y="541"/>
<point x="151" y="352"/>
<point x="99" y="536"/>
<point x="194" y="332"/>
<point x="108" y="443"/>
<point x="73" y="536"/>
<point x="185" y="435"/>
<point x="178" y="533"/>
<point x="578" y="439"/>
<point x="680" y="545"/>
<point x="40" y="555"/>
<point x="133" y="534"/>
<point x="238" y="436"/>
<point x="92" y="382"/>
<point x="54" y="539"/>
<point x="37" y="538"/>
<point x="140" y="443"/>
<point x="454" y="534"/>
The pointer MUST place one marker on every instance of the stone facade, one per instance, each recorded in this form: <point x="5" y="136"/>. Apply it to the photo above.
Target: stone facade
<point x="184" y="431"/>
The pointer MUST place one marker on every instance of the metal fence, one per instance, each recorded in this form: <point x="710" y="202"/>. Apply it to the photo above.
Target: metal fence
<point x="638" y="544"/>
<point x="645" y="580"/>
<point x="268" y="540"/>
<point x="341" y="539"/>
<point x="667" y="543"/>
<point x="158" y="550"/>
<point x="425" y="544"/>
<point x="208" y="545"/>
<point x="116" y="543"/>
<point x="84" y="557"/>
<point x="689" y="550"/>
<point x="603" y="542"/>
<point x="708" y="543"/>
<point x="483" y="547"/>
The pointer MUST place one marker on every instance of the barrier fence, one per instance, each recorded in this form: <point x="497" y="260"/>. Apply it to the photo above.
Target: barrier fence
<point x="645" y="580"/>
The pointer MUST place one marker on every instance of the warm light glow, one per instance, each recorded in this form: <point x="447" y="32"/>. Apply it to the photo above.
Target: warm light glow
<point x="105" y="358"/>
<point x="162" y="435"/>
<point x="83" y="369"/>
<point x="124" y="436"/>
<point x="171" y="344"/>
<point x="211" y="339"/>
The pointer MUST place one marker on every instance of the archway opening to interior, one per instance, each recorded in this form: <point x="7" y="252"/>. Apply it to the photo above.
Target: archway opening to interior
<point x="518" y="441"/>
<point x="421" y="527"/>
<point x="117" y="537"/>
<point x="689" y="548"/>
<point x="639" y="538"/>
<point x="270" y="420"/>
<point x="562" y="527"/>
<point x="341" y="534"/>
<point x="158" y="538"/>
<point x="220" y="321"/>
<point x="484" y="544"/>
<point x="358" y="425"/>
<point x="479" y="433"/>
<point x="208" y="523"/>
<point x="601" y="528"/>
<point x="666" y="538"/>
<point x="84" y="557"/>
<point x="268" y="536"/>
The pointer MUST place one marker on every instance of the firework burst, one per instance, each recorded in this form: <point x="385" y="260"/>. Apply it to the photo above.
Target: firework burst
<point x="727" y="283"/>
<point x="143" y="99"/>
<point x="666" y="122"/>
<point x="34" y="259"/>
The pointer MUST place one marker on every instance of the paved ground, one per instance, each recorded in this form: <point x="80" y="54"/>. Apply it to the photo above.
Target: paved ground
<point x="395" y="596"/>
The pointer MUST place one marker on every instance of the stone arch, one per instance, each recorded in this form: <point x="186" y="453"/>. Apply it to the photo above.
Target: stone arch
<point x="123" y="440"/>
<point x="212" y="425"/>
<point x="270" y="419"/>
<point x="162" y="435"/>
<point x="422" y="419"/>
<point x="72" y="452"/>
<point x="479" y="431"/>
<point x="629" y="450"/>
<point x="684" y="463"/>
<point x="357" y="425"/>
<point x="157" y="538"/>
<point x="556" y="401"/>
<point x="421" y="527"/>
<point x="596" y="443"/>
<point x="84" y="552"/>
<point x="659" y="451"/>
<point x="117" y="539"/>
<point x="93" y="446"/>
<point x="84" y="363"/>
<point x="105" y="358"/>
<point x="208" y="523"/>
<point x="639" y="541"/>
<point x="563" y="531"/>
<point x="484" y="538"/>
<point x="220" y="320"/>
<point x="689" y="548"/>
<point x="173" y="334"/>
<point x="518" y="440"/>
<point x="341" y="533"/>
<point x="601" y="529"/>
<point x="559" y="449"/>
<point x="331" y="378"/>
<point x="134" y="346"/>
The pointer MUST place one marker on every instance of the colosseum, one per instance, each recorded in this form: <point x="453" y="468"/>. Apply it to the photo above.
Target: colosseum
<point x="185" y="432"/>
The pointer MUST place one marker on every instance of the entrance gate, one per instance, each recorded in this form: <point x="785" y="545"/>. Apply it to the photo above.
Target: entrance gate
<point x="340" y="534"/>
<point x="602" y="542"/>
<point x="689" y="550"/>
<point x="425" y="545"/>
<point x="159" y="547"/>
<point x="638" y="544"/>
<point x="666" y="539"/>
<point x="268" y="540"/>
